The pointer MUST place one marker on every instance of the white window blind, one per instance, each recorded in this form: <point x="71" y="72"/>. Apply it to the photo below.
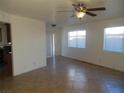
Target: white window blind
<point x="114" y="39"/>
<point x="77" y="39"/>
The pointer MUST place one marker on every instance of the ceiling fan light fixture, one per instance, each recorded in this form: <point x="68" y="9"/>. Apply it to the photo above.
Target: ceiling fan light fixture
<point x="80" y="15"/>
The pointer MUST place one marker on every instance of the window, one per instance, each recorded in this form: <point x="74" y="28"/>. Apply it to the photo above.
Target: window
<point x="77" y="39"/>
<point x="114" y="39"/>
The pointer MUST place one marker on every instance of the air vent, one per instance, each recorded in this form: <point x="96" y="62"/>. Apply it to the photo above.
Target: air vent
<point x="53" y="25"/>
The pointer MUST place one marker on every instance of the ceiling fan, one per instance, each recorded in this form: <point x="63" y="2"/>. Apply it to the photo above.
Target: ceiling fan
<point x="80" y="10"/>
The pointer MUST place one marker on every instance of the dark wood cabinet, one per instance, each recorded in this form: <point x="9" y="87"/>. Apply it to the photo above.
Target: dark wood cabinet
<point x="8" y="63"/>
<point x="8" y="32"/>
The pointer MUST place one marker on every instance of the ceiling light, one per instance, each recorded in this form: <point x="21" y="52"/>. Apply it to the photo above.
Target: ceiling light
<point x="80" y="14"/>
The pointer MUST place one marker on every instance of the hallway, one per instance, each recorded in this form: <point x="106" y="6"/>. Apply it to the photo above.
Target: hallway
<point x="65" y="75"/>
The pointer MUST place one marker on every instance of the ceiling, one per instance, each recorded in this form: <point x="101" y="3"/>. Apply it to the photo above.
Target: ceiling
<point x="46" y="9"/>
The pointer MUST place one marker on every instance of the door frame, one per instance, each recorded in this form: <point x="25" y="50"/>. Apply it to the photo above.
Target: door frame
<point x="9" y="28"/>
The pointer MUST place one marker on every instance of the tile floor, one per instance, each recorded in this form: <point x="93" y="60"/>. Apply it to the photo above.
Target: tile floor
<point x="65" y="75"/>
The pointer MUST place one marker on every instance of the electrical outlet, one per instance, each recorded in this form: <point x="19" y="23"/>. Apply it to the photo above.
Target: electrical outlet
<point x="99" y="59"/>
<point x="34" y="63"/>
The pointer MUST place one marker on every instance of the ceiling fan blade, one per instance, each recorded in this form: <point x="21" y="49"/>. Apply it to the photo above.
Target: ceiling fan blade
<point x="73" y="15"/>
<point x="74" y="5"/>
<point x="97" y="9"/>
<point x="65" y="11"/>
<point x="91" y="14"/>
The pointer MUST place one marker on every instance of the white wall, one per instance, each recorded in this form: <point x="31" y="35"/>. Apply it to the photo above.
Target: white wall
<point x="57" y="33"/>
<point x="29" y="43"/>
<point x="93" y="53"/>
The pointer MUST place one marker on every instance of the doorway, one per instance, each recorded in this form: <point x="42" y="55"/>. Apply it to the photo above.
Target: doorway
<point x="5" y="50"/>
<point x="50" y="44"/>
<point x="53" y="45"/>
